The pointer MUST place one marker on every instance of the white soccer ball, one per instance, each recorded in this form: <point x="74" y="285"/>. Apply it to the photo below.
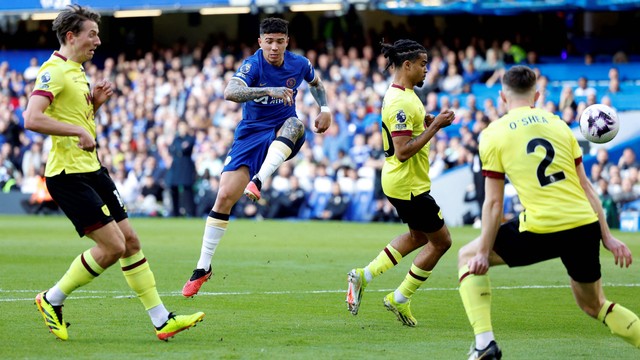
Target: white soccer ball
<point x="599" y="123"/>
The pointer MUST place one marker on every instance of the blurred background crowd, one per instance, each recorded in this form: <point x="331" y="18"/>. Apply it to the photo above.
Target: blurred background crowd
<point x="165" y="132"/>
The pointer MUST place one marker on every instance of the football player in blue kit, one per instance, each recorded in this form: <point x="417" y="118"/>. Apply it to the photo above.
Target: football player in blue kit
<point x="269" y="134"/>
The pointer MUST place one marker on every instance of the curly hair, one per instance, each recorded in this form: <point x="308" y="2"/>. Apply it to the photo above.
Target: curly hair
<point x="400" y="51"/>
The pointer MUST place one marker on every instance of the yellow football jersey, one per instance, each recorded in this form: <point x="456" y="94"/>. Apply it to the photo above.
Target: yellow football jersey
<point x="538" y="153"/>
<point x="65" y="83"/>
<point x="403" y="115"/>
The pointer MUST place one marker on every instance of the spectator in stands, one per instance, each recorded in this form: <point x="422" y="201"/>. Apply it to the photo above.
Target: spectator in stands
<point x="627" y="160"/>
<point x="620" y="57"/>
<point x="207" y="191"/>
<point x="10" y="176"/>
<point x="614" y="86"/>
<point x="512" y="53"/>
<point x="287" y="203"/>
<point x="471" y="57"/>
<point x="150" y="200"/>
<point x="40" y="200"/>
<point x="608" y="204"/>
<point x="606" y="100"/>
<point x="532" y="57"/>
<point x="602" y="159"/>
<point x="567" y="99"/>
<point x="181" y="174"/>
<point x="588" y="59"/>
<point x="470" y="74"/>
<point x="568" y="116"/>
<point x="384" y="211"/>
<point x="543" y="88"/>
<point x="633" y="174"/>
<point x="626" y="193"/>
<point x="33" y="156"/>
<point x="360" y="151"/>
<point x="583" y="88"/>
<point x="452" y="82"/>
<point x="615" y="181"/>
<point x="595" y="174"/>
<point x="31" y="71"/>
<point x="336" y="206"/>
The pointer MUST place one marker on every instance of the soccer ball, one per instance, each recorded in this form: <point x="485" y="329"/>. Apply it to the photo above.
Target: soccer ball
<point x="599" y="123"/>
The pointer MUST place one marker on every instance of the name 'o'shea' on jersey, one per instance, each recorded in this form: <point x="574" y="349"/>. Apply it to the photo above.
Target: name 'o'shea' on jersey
<point x="538" y="153"/>
<point x="403" y="114"/>
<point x="256" y="71"/>
<point x="65" y="83"/>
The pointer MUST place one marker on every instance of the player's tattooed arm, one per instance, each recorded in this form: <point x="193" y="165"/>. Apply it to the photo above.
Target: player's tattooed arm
<point x="318" y="91"/>
<point x="239" y="92"/>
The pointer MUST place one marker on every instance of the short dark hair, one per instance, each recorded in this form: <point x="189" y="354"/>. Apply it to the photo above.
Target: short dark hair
<point x="71" y="19"/>
<point x="274" y="26"/>
<point x="520" y="79"/>
<point x="401" y="51"/>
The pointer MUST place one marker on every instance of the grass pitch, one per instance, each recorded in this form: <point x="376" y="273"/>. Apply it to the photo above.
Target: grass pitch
<point x="278" y="292"/>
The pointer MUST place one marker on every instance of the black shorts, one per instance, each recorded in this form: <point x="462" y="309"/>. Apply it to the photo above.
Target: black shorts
<point x="578" y="248"/>
<point x="420" y="213"/>
<point x="90" y="200"/>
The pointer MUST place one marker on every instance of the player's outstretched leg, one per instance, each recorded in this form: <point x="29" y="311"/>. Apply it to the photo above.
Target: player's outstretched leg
<point x="52" y="316"/>
<point x="402" y="310"/>
<point x="176" y="324"/>
<point x="199" y="277"/>
<point x="355" y="289"/>
<point x="491" y="352"/>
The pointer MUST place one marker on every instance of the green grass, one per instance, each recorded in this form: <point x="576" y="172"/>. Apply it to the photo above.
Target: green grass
<point x="278" y="292"/>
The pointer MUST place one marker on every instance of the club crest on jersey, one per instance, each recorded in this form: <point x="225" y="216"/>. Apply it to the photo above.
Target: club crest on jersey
<point x="45" y="78"/>
<point x="401" y="117"/>
<point x="245" y="68"/>
<point x="291" y="82"/>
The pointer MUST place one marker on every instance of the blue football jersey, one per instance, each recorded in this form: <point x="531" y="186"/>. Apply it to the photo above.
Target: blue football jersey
<point x="266" y="111"/>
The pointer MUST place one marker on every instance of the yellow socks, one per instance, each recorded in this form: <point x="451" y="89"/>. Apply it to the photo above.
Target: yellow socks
<point x="413" y="280"/>
<point x="140" y="278"/>
<point x="82" y="271"/>
<point x="475" y="291"/>
<point x="621" y="321"/>
<point x="388" y="258"/>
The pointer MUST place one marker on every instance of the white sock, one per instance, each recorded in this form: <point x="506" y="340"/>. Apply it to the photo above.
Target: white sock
<point x="55" y="296"/>
<point x="159" y="315"/>
<point x="399" y="298"/>
<point x="210" y="241"/>
<point x="278" y="152"/>
<point x="483" y="339"/>
<point x="367" y="274"/>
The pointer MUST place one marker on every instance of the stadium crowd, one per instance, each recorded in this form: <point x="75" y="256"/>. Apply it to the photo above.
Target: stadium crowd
<point x="335" y="176"/>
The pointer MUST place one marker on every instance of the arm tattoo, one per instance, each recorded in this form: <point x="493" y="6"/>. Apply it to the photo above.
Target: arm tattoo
<point x="237" y="91"/>
<point x="319" y="93"/>
<point x="293" y="129"/>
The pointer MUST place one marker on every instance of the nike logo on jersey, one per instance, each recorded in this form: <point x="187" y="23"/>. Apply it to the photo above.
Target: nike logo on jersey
<point x="263" y="84"/>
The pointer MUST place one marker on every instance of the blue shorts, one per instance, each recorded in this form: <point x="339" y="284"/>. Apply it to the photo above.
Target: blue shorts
<point x="250" y="146"/>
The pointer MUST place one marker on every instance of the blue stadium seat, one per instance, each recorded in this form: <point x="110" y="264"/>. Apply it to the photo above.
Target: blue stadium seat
<point x="315" y="204"/>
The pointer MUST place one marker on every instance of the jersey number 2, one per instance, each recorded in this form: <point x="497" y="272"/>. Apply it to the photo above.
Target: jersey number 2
<point x="543" y="179"/>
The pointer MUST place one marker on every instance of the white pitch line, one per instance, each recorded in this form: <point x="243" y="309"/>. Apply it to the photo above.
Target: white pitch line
<point x="114" y="294"/>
